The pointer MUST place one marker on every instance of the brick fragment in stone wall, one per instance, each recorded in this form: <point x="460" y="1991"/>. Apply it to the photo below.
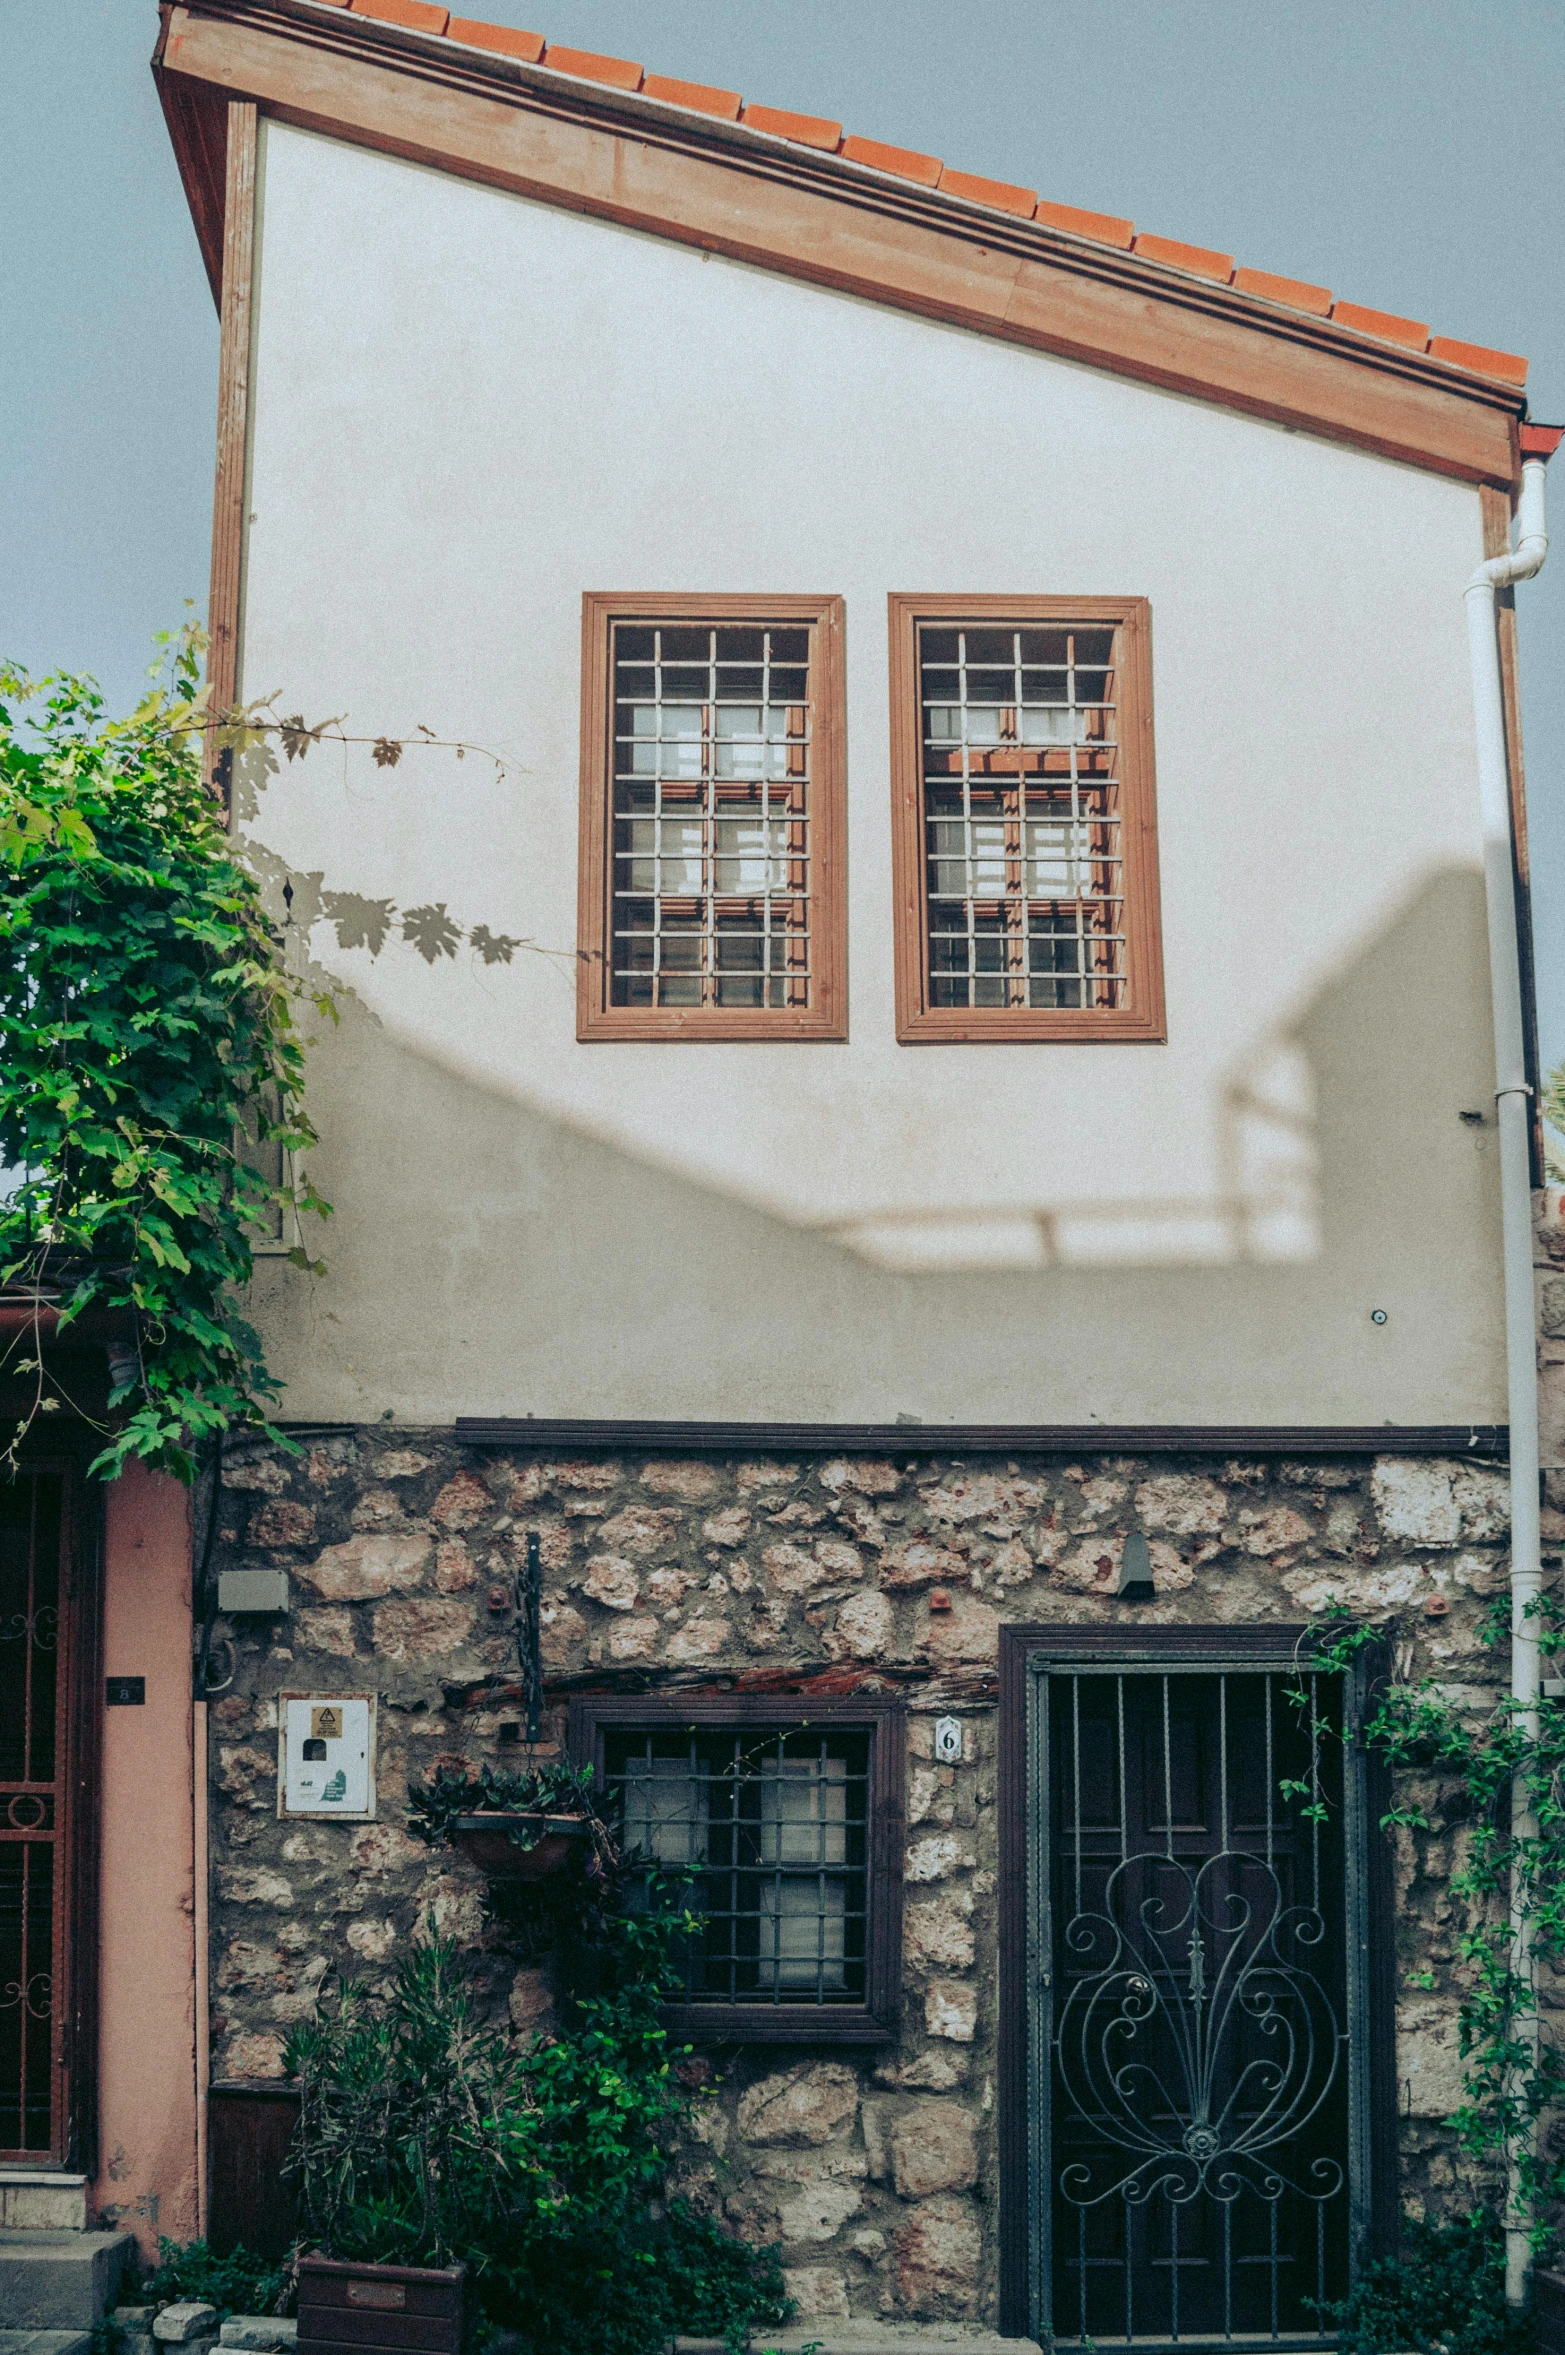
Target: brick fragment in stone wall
<point x="875" y="2171"/>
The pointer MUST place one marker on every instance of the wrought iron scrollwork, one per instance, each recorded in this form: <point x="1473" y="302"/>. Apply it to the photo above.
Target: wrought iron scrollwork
<point x="40" y="1628"/>
<point x="27" y="1811"/>
<point x="33" y="1997"/>
<point x="1185" y="1971"/>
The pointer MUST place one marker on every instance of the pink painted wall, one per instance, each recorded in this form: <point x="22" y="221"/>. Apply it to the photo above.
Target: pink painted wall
<point x="147" y="2179"/>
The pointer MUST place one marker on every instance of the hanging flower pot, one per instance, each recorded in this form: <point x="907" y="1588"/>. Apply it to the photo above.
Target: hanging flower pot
<point x="518" y="1844"/>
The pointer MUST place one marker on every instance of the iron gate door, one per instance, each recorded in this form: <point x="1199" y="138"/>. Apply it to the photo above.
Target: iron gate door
<point x="1197" y="1975"/>
<point x="48" y="1958"/>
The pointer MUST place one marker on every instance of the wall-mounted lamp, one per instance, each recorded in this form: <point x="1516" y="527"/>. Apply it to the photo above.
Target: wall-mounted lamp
<point x="1135" y="1570"/>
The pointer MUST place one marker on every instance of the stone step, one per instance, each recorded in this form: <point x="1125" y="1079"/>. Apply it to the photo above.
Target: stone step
<point x="45" y="2342"/>
<point x="54" y="2281"/>
<point x="870" y="2338"/>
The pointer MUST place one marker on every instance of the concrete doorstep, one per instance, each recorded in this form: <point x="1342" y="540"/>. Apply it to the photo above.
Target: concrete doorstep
<point x="54" y="2281"/>
<point x="870" y="2338"/>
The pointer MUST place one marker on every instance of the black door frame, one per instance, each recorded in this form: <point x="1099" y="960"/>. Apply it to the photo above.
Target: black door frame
<point x="1372" y="2054"/>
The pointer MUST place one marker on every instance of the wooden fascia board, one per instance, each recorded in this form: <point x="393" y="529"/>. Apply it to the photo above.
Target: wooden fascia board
<point x="558" y="1435"/>
<point x="760" y="200"/>
<point x="197" y="119"/>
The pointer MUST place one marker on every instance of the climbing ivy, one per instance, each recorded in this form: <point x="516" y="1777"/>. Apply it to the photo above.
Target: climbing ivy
<point x="146" y="1030"/>
<point x="1513" y="2076"/>
<point x="1554" y="1125"/>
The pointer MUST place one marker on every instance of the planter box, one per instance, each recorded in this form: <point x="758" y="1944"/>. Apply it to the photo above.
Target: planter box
<point x="485" y="1840"/>
<point x="399" y="2309"/>
<point x="1548" y="2290"/>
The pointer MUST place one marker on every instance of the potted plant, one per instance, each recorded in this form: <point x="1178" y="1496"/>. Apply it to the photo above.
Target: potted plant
<point x="515" y="1827"/>
<point x="415" y="2154"/>
<point x="449" y="2174"/>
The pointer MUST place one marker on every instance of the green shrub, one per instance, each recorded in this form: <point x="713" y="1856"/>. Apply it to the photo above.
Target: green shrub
<point x="427" y="2138"/>
<point x="1443" y="2291"/>
<point x="418" y="2138"/>
<point x="630" y="2285"/>
<point x="236" y="2284"/>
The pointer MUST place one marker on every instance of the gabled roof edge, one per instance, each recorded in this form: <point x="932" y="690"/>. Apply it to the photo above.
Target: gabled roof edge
<point x="875" y="233"/>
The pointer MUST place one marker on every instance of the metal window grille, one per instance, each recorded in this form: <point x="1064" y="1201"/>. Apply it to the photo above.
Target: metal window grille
<point x="770" y="1828"/>
<point x="710" y="892"/>
<point x="1023" y="821"/>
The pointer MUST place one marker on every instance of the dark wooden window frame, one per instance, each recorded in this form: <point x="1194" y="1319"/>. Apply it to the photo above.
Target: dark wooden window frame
<point x="1143" y="1020"/>
<point x="78" y="1782"/>
<point x="595" y="1715"/>
<point x="1140" y="1645"/>
<point x="826" y="1017"/>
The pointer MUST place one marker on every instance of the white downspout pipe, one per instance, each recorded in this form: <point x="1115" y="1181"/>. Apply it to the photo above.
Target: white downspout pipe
<point x="1512" y="1094"/>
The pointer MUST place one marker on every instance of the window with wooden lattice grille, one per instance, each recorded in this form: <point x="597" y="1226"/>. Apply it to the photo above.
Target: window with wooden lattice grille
<point x="712" y="819"/>
<point x="1025" y="839"/>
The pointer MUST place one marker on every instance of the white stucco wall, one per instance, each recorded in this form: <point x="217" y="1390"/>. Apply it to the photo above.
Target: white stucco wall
<point x="468" y="409"/>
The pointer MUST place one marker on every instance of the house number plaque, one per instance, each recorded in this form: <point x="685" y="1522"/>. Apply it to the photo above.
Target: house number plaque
<point x="326" y="1755"/>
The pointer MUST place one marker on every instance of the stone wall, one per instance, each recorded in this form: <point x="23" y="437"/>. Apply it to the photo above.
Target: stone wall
<point x="876" y="2172"/>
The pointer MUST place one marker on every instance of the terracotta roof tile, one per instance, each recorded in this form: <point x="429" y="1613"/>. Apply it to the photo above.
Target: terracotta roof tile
<point x="1297" y="293"/>
<point x="419" y="16"/>
<point x="810" y="130"/>
<point x="1198" y="259"/>
<point x="1000" y="193"/>
<point x="588" y="66"/>
<point x="478" y="35"/>
<point x="1386" y="324"/>
<point x="1103" y="227"/>
<point x="1509" y="367"/>
<point x="927" y="171"/>
<point x="906" y="162"/>
<point x="700" y="97"/>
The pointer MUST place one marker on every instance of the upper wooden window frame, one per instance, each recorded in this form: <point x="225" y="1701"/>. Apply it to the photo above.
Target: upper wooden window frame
<point x="826" y="1018"/>
<point x="594" y="1716"/>
<point x="918" y="1022"/>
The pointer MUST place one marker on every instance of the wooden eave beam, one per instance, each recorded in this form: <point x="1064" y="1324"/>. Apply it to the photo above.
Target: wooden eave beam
<point x="562" y="1434"/>
<point x="727" y="189"/>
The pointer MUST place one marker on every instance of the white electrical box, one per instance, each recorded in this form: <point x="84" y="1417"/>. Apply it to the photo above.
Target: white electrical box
<point x="326" y="1755"/>
<point x="262" y="1591"/>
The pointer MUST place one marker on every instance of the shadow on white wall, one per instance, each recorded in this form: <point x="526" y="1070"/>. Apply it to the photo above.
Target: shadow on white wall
<point x="1266" y="1212"/>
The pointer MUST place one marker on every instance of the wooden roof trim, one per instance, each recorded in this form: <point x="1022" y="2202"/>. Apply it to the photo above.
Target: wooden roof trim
<point x="561" y="1433"/>
<point x="758" y="197"/>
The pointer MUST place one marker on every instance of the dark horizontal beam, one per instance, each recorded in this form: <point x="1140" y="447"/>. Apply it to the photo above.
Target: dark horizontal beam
<point x="1004" y="1439"/>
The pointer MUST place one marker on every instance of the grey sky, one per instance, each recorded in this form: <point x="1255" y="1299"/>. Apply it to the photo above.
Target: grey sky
<point x="1410" y="156"/>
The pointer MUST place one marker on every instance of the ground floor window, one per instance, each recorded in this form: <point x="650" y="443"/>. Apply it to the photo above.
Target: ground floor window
<point x="785" y="1823"/>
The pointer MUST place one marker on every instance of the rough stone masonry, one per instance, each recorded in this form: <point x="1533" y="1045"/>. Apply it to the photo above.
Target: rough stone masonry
<point x="876" y="2173"/>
